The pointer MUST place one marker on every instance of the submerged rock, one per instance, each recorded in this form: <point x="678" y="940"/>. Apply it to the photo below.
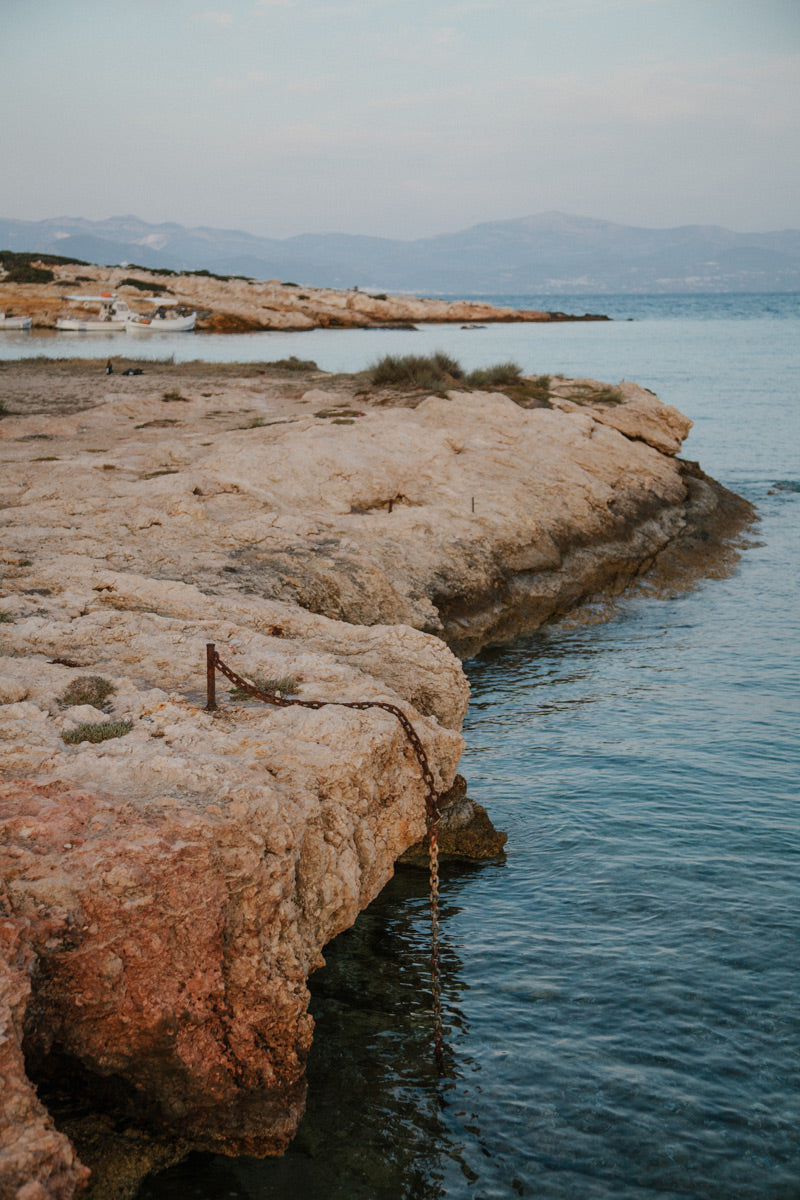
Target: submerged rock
<point x="465" y="831"/>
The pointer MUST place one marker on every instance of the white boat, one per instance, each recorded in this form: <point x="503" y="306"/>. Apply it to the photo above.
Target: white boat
<point x="111" y="317"/>
<point x="14" y="322"/>
<point x="161" y="320"/>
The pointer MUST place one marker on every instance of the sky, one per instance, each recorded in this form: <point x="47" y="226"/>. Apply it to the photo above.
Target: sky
<point x="401" y="118"/>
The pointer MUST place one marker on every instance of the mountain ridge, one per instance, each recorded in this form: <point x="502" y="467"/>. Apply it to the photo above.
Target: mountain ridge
<point x="546" y="252"/>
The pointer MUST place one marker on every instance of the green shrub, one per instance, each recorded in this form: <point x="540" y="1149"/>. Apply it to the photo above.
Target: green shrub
<point x="25" y="273"/>
<point x="101" y="732"/>
<point x="284" y="686"/>
<point x="539" y="387"/>
<point x="5" y="618"/>
<point x="496" y="376"/>
<point x="434" y="372"/>
<point x="212" y="275"/>
<point x="87" y="689"/>
<point x="19" y="258"/>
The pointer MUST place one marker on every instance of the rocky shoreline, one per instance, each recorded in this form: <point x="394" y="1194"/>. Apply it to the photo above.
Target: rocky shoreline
<point x="229" y="304"/>
<point x="167" y="891"/>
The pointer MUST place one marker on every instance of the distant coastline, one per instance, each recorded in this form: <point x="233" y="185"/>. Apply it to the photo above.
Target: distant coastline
<point x="45" y="287"/>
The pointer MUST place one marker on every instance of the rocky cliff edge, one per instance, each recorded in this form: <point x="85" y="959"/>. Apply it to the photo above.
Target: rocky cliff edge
<point x="167" y="891"/>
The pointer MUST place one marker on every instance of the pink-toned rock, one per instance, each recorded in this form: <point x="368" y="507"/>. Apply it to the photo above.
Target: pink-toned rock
<point x="36" y="1162"/>
<point x="189" y="873"/>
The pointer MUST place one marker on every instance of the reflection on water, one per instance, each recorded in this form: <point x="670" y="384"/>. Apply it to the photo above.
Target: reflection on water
<point x="373" y="1127"/>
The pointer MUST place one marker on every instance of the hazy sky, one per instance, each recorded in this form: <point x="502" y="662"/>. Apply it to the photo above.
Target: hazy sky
<point x="401" y="118"/>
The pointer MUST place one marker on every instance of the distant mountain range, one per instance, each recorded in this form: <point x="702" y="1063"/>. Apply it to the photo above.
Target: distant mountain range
<point x="550" y="253"/>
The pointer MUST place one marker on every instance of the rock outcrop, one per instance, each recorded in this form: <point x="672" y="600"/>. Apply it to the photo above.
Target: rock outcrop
<point x="236" y="305"/>
<point x="168" y="890"/>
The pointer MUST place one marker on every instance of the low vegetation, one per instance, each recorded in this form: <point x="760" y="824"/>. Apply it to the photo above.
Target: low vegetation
<point x="439" y="372"/>
<point x="496" y="376"/>
<point x="585" y="393"/>
<point x="87" y="689"/>
<point x="21" y="258"/>
<point x="103" y="731"/>
<point x="433" y="372"/>
<point x="25" y="273"/>
<point x="286" y="685"/>
<point x="212" y="275"/>
<point x="292" y="364"/>
<point x="144" y="286"/>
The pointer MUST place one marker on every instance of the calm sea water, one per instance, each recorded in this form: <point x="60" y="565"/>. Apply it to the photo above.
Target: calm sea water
<point x="621" y="994"/>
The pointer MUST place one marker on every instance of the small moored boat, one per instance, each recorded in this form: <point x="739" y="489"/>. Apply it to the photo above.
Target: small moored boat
<point x="111" y="316"/>
<point x="169" y="317"/>
<point x="15" y="323"/>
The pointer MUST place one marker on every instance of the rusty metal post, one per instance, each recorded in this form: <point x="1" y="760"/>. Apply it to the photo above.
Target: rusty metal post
<point x="211" y="681"/>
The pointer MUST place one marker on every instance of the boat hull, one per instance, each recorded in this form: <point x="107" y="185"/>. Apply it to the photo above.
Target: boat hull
<point x="161" y="324"/>
<point x="15" y="323"/>
<point x="76" y="325"/>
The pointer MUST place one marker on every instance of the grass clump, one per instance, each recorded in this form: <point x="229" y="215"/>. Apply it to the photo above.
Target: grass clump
<point x="292" y="364"/>
<point x="173" y="397"/>
<point x="103" y="731"/>
<point x="584" y="393"/>
<point x="497" y="376"/>
<point x="434" y="372"/>
<point x="284" y="686"/>
<point x="87" y="689"/>
<point x="5" y="618"/>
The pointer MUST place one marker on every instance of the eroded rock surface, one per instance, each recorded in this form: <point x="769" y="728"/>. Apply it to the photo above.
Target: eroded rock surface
<point x="241" y="305"/>
<point x="169" y="890"/>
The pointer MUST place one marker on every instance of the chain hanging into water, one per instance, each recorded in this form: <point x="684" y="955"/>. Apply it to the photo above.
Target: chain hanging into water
<point x="214" y="663"/>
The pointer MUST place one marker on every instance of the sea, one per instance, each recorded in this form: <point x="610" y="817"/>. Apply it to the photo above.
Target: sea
<point x="621" y="992"/>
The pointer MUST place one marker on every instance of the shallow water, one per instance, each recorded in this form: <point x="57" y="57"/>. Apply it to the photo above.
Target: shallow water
<point x="620" y="994"/>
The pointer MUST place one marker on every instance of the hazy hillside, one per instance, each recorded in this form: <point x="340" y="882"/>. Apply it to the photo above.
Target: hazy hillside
<point x="552" y="252"/>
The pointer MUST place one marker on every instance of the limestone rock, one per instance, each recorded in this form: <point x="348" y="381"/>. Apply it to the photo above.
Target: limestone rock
<point x="11" y="691"/>
<point x="465" y="831"/>
<point x="169" y="890"/>
<point x="242" y="305"/>
<point x="635" y="412"/>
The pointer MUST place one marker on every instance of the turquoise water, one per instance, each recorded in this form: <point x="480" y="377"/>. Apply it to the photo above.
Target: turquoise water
<point x="620" y="995"/>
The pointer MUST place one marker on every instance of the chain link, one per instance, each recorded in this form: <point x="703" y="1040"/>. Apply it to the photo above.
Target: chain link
<point x="432" y="812"/>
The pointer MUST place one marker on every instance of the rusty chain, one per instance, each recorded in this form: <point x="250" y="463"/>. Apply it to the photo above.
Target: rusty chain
<point x="432" y="813"/>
